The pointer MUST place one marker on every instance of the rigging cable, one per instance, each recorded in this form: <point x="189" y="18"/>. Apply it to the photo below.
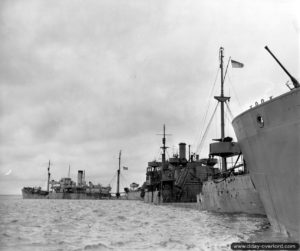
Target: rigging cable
<point x="167" y="154"/>
<point x="234" y="92"/>
<point x="228" y="121"/>
<point x="199" y="148"/>
<point x="229" y="111"/>
<point x="157" y="155"/>
<point x="226" y="69"/>
<point x="207" y="109"/>
<point x="123" y="179"/>
<point x="112" y="178"/>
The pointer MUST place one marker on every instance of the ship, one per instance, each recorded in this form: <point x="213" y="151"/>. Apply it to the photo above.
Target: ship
<point x="195" y="180"/>
<point x="66" y="188"/>
<point x="132" y="193"/>
<point x="269" y="137"/>
<point x="231" y="190"/>
<point x="178" y="179"/>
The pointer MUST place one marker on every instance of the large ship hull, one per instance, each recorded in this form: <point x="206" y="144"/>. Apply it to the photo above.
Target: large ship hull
<point x="269" y="137"/>
<point x="235" y="194"/>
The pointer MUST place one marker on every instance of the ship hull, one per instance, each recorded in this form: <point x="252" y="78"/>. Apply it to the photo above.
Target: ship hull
<point x="235" y="194"/>
<point x="269" y="137"/>
<point x="33" y="195"/>
<point x="63" y="196"/>
<point x="134" y="195"/>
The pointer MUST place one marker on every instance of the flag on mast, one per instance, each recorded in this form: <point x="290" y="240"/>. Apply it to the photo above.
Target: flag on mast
<point x="125" y="168"/>
<point x="236" y="64"/>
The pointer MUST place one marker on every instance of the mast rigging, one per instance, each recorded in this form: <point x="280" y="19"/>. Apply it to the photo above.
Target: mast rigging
<point x="118" y="178"/>
<point x="222" y="99"/>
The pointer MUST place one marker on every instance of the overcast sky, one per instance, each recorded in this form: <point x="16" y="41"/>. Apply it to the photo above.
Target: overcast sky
<point x="81" y="80"/>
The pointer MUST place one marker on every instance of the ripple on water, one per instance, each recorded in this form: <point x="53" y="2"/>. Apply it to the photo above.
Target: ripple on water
<point x="98" y="246"/>
<point x="102" y="225"/>
<point x="121" y="217"/>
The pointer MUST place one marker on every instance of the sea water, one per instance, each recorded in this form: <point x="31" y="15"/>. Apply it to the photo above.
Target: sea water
<point x="122" y="225"/>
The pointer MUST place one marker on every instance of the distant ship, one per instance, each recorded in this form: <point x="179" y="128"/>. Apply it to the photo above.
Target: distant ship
<point x="132" y="193"/>
<point x="178" y="179"/>
<point x="269" y="137"/>
<point x="66" y="188"/>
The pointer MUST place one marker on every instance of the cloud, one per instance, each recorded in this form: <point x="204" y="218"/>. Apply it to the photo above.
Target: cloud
<point x="81" y="80"/>
<point x="8" y="172"/>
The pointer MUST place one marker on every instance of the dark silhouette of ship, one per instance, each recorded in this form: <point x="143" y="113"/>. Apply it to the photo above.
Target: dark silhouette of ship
<point x="177" y="179"/>
<point x="66" y="188"/>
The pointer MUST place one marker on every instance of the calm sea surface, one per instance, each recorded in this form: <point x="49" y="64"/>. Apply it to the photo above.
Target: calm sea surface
<point x="121" y="225"/>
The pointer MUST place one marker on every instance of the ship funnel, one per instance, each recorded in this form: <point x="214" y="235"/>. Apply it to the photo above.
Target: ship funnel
<point x="80" y="178"/>
<point x="182" y="151"/>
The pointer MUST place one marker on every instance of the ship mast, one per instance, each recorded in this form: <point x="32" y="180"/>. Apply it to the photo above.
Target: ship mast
<point x="118" y="177"/>
<point x="48" y="181"/>
<point x="163" y="156"/>
<point x="222" y="99"/>
<point x="164" y="147"/>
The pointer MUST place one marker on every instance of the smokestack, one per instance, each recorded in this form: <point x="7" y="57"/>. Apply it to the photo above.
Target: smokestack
<point x="79" y="178"/>
<point x="197" y="156"/>
<point x="182" y="154"/>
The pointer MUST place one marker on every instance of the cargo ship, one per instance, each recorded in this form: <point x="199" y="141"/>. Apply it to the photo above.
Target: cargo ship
<point x="231" y="190"/>
<point x="66" y="188"/>
<point x="177" y="179"/>
<point x="269" y="137"/>
<point x="196" y="180"/>
<point x="196" y="183"/>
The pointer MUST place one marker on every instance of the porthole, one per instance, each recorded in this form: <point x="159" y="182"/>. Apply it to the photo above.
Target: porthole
<point x="260" y="121"/>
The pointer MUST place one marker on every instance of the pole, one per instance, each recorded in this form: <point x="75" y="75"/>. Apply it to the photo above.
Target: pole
<point x="222" y="95"/>
<point x="222" y="99"/>
<point x="164" y="146"/>
<point x="118" y="178"/>
<point x="48" y="181"/>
